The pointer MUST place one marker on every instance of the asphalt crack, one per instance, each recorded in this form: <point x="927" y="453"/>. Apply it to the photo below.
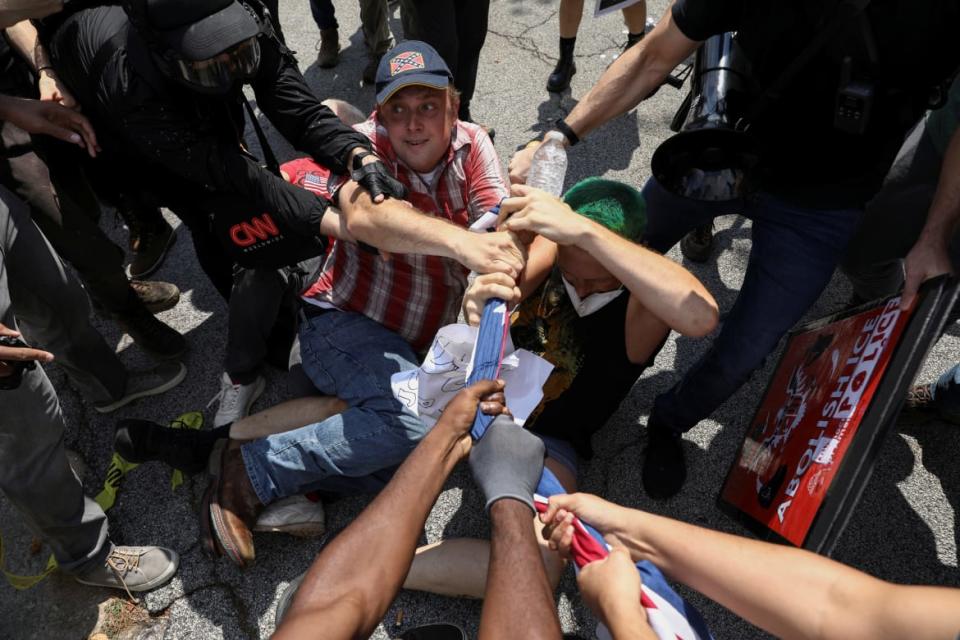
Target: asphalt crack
<point x="522" y="42"/>
<point x="242" y="617"/>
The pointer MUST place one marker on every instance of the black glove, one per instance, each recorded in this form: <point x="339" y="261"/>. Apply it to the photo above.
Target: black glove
<point x="375" y="178"/>
<point x="507" y="462"/>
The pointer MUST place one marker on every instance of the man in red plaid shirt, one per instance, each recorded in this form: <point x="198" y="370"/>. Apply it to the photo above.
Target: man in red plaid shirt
<point x="412" y="294"/>
<point x="366" y="316"/>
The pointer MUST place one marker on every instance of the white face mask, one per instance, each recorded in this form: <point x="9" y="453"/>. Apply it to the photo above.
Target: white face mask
<point x="593" y="302"/>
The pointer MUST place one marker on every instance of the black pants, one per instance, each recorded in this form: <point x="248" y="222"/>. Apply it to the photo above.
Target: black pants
<point x="64" y="206"/>
<point x="262" y="323"/>
<point x="141" y="199"/>
<point x="457" y="30"/>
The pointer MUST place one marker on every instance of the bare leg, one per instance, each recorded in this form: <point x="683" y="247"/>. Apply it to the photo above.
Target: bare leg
<point x="458" y="566"/>
<point x="570" y="13"/>
<point x="285" y="416"/>
<point x="635" y="17"/>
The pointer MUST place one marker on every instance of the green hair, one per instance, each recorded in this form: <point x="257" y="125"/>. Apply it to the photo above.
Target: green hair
<point x="614" y="205"/>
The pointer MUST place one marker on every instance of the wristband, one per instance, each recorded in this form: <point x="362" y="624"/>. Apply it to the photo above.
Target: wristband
<point x="568" y="133"/>
<point x="45" y="67"/>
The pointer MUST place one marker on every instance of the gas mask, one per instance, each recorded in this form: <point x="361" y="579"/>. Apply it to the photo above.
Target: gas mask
<point x="593" y="302"/>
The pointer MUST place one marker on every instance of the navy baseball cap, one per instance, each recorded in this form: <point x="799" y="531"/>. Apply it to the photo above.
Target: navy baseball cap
<point x="201" y="29"/>
<point x="411" y="63"/>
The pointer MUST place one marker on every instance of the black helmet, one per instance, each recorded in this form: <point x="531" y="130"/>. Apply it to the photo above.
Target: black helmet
<point x="208" y="45"/>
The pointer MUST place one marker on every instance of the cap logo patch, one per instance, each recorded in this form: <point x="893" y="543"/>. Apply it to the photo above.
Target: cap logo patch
<point x="407" y="61"/>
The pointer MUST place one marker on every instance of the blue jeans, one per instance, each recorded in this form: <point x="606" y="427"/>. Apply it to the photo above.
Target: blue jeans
<point x="946" y="394"/>
<point x="324" y="14"/>
<point x="794" y="252"/>
<point x="352" y="357"/>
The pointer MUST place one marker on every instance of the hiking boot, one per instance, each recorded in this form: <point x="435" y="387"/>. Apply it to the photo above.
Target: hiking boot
<point x="370" y="71"/>
<point x="698" y="244"/>
<point x="664" y="467"/>
<point x="235" y="399"/>
<point x="140" y="384"/>
<point x="152" y="335"/>
<point x="920" y="398"/>
<point x="155" y="295"/>
<point x="297" y="515"/>
<point x="150" y="245"/>
<point x="234" y="508"/>
<point x="144" y="441"/>
<point x="328" y="49"/>
<point x="559" y="80"/>
<point x="919" y="407"/>
<point x="133" y="569"/>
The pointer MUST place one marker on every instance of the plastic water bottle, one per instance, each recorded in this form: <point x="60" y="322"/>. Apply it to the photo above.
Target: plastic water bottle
<point x="549" y="165"/>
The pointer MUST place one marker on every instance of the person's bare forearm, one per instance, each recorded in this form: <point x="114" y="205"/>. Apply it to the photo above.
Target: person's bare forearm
<point x="395" y="227"/>
<point x="632" y="77"/>
<point x="945" y="210"/>
<point x="790" y="592"/>
<point x="665" y="288"/>
<point x="929" y="256"/>
<point x="24" y="40"/>
<point x="518" y="601"/>
<point x="363" y="568"/>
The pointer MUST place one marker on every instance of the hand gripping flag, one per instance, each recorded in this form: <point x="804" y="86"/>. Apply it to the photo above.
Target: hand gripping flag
<point x="669" y="615"/>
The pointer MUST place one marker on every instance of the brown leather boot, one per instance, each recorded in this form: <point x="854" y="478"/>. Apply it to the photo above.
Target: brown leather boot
<point x="234" y="508"/>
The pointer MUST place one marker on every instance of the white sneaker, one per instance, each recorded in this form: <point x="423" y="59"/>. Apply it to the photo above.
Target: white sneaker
<point x="296" y="515"/>
<point x="235" y="399"/>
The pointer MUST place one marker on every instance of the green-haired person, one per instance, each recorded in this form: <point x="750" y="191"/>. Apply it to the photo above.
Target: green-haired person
<point x="600" y="317"/>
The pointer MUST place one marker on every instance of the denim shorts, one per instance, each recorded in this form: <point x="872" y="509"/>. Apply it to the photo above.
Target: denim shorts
<point x="561" y="451"/>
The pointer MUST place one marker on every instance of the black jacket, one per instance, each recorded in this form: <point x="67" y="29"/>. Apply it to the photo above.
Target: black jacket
<point x="168" y="141"/>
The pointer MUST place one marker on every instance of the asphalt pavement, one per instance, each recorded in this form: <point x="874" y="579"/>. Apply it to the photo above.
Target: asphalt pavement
<point x="903" y="529"/>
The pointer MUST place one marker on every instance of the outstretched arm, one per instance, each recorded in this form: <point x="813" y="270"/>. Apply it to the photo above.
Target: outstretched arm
<point x="51" y="119"/>
<point x="928" y="257"/>
<point x="788" y="592"/>
<point x="663" y="291"/>
<point x="518" y="603"/>
<point x="396" y="227"/>
<point x="23" y="37"/>
<point x="630" y="79"/>
<point x="355" y="578"/>
<point x="633" y="76"/>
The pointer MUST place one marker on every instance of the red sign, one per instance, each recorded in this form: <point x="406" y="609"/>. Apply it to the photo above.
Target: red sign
<point x="808" y="417"/>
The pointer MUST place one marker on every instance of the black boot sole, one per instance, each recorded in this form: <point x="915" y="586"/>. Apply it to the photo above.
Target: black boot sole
<point x="563" y="86"/>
